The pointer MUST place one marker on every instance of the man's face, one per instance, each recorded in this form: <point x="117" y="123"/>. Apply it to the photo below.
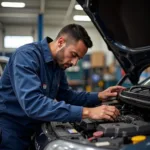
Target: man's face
<point x="69" y="55"/>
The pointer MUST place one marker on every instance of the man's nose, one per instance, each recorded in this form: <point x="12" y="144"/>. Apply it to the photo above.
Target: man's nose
<point x="74" y="61"/>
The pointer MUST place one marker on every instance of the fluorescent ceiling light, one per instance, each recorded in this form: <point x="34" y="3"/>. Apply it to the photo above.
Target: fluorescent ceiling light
<point x="81" y="18"/>
<point x="13" y="4"/>
<point x="78" y="7"/>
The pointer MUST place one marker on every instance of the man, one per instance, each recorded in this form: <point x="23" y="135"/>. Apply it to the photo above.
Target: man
<point x="34" y="79"/>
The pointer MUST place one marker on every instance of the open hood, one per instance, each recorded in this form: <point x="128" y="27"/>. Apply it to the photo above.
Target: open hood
<point x="125" y="27"/>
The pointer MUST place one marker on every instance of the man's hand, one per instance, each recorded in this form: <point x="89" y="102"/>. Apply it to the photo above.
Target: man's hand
<point x="110" y="92"/>
<point x="101" y="112"/>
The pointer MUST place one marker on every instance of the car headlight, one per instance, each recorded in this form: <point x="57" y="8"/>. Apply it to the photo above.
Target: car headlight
<point x="67" y="145"/>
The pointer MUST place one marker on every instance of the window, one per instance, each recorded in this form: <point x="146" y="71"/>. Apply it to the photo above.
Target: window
<point x="16" y="41"/>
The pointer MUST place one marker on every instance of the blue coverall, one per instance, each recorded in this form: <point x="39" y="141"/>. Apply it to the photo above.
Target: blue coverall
<point x="29" y="87"/>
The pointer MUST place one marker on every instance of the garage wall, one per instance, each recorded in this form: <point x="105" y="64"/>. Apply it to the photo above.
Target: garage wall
<point x="98" y="43"/>
<point x="16" y="30"/>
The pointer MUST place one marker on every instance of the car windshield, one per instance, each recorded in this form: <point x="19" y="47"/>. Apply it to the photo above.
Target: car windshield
<point x="145" y="77"/>
<point x="146" y="82"/>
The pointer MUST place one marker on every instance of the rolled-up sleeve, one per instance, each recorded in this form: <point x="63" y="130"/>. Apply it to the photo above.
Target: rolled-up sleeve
<point x="88" y="99"/>
<point x="27" y="87"/>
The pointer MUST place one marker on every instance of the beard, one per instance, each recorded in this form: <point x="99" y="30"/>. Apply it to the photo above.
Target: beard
<point x="60" y="58"/>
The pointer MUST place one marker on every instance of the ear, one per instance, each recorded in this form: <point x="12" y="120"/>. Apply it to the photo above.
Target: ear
<point x="61" y="41"/>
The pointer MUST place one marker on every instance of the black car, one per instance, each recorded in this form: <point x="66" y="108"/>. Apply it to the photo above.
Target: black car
<point x="125" y="27"/>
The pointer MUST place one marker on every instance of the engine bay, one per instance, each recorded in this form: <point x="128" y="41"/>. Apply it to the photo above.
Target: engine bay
<point x="102" y="133"/>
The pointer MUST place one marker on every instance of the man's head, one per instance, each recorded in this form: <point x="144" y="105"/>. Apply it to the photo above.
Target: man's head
<point x="72" y="43"/>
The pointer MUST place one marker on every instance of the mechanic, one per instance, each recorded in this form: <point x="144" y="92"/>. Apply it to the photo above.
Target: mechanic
<point x="34" y="88"/>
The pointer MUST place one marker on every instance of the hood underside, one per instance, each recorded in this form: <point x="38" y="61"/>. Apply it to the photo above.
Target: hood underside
<point x="125" y="27"/>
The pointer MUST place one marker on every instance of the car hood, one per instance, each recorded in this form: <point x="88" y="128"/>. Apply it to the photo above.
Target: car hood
<point x="125" y="27"/>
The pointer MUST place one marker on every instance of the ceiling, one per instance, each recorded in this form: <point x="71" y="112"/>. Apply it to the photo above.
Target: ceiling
<point x="56" y="12"/>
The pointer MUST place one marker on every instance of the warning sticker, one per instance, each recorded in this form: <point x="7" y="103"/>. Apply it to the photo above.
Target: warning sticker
<point x="72" y="131"/>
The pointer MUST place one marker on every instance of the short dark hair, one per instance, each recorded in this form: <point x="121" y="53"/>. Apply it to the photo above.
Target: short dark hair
<point x="77" y="32"/>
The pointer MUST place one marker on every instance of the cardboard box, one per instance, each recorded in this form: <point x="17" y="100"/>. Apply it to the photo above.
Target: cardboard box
<point x="97" y="59"/>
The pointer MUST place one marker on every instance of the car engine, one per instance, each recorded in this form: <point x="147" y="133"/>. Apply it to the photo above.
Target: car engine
<point x="134" y="120"/>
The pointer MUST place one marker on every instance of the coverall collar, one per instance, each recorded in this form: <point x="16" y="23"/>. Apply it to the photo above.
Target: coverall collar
<point x="46" y="50"/>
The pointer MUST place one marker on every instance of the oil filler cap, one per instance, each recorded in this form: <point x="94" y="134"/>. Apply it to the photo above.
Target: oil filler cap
<point x="138" y="138"/>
